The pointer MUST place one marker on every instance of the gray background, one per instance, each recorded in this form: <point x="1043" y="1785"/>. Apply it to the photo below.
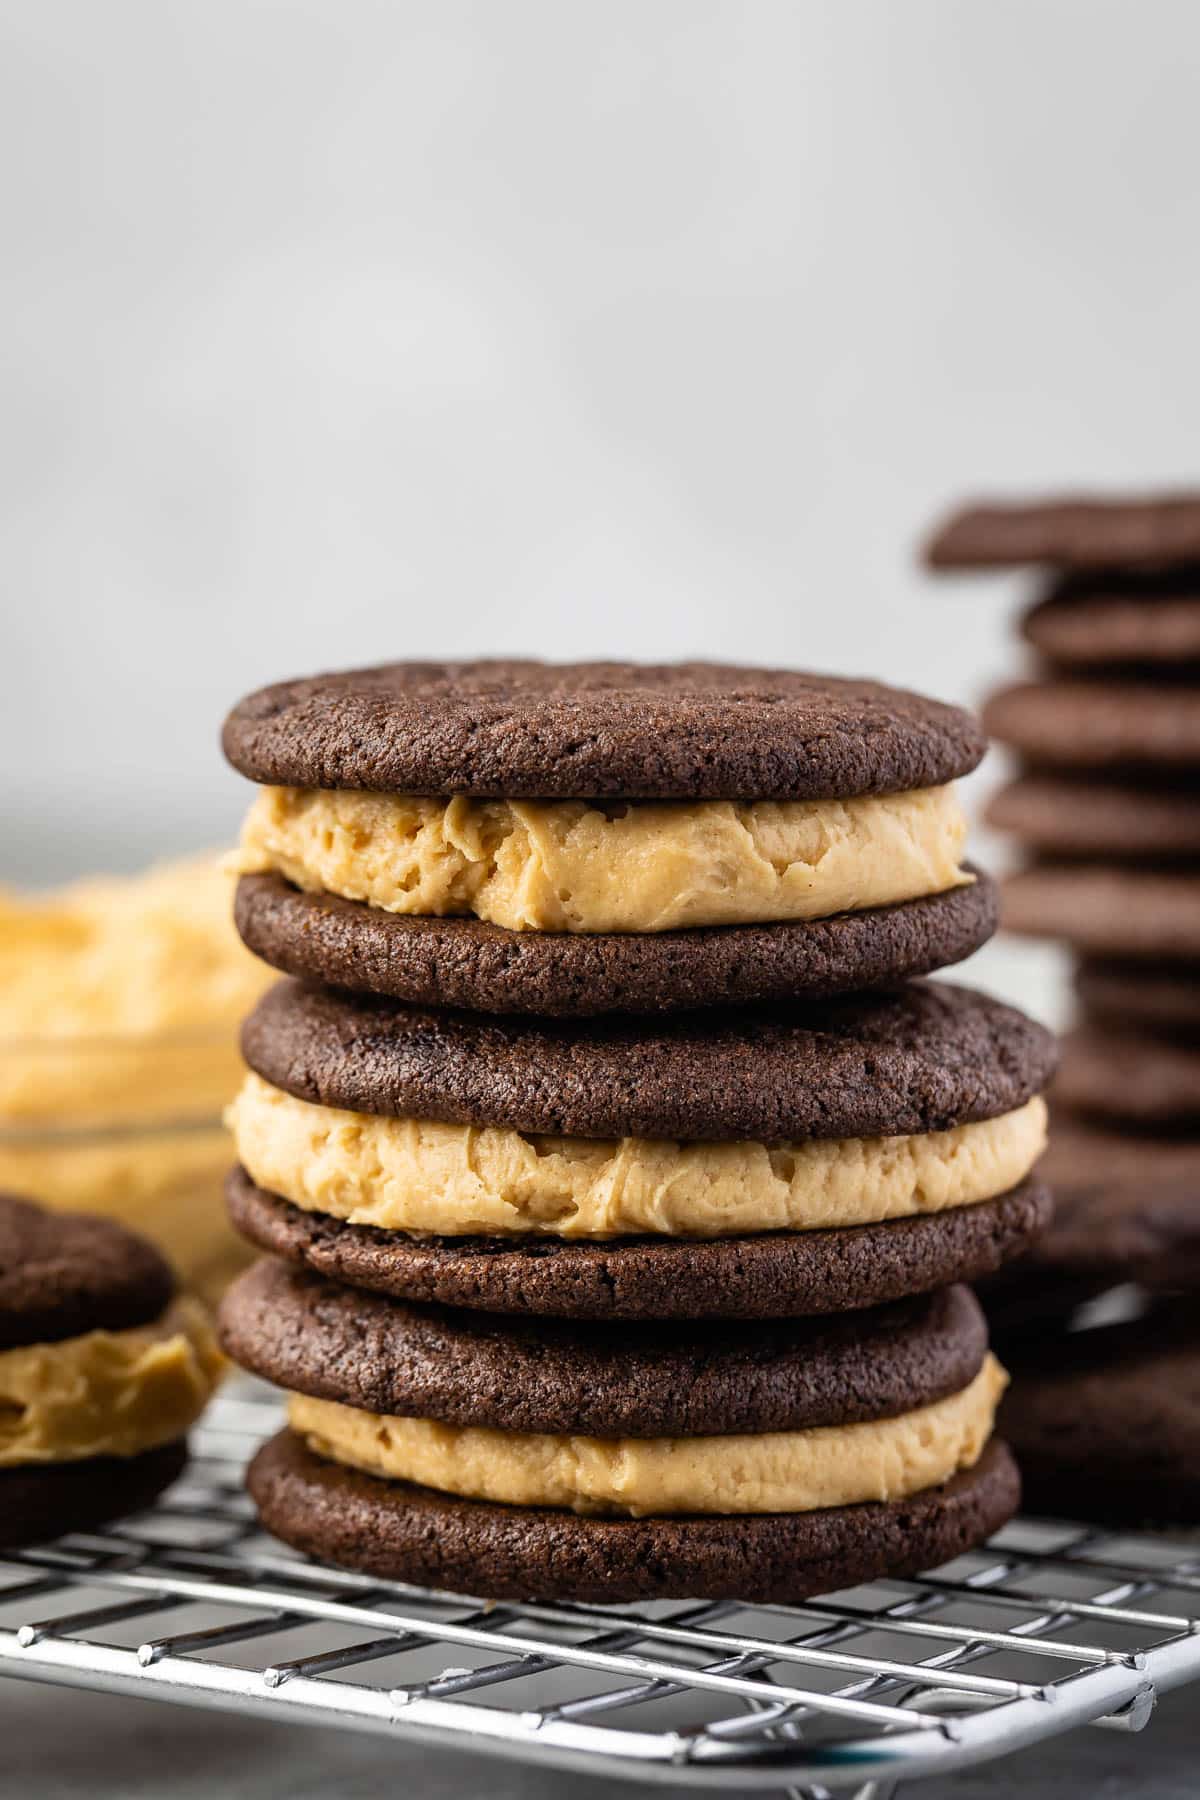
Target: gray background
<point x="333" y="331"/>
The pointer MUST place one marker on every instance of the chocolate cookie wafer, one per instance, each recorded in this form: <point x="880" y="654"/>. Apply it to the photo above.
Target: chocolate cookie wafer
<point x="1159" y="997"/>
<point x="1070" y="531"/>
<point x="1106" y="1422"/>
<point x="1129" y="1076"/>
<point x="1123" y="618"/>
<point x="1057" y="814"/>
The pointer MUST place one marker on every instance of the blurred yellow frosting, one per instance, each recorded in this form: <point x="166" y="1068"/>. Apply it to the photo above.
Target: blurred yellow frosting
<point x="120" y="1002"/>
<point x="120" y="996"/>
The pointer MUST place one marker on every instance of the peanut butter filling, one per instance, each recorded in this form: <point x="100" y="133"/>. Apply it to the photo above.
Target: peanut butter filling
<point x="638" y="866"/>
<point x="457" y="1180"/>
<point x="107" y="1393"/>
<point x="767" y="1472"/>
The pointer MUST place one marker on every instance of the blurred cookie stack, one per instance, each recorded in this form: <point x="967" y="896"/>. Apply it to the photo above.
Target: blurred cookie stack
<point x="618" y="1177"/>
<point x="1105" y="807"/>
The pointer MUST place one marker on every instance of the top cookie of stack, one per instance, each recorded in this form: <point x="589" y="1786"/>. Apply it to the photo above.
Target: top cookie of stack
<point x="603" y="837"/>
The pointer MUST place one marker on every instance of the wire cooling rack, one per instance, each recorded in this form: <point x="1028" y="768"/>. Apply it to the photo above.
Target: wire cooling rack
<point x="1047" y="1628"/>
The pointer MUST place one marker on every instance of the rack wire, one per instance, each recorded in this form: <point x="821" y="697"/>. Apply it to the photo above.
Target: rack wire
<point x="1049" y="1627"/>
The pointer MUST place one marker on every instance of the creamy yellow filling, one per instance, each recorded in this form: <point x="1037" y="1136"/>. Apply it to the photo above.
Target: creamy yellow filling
<point x="120" y="956"/>
<point x="107" y="1393"/>
<point x="636" y="866"/>
<point x="766" y="1472"/>
<point x="457" y="1180"/>
<point x="120" y="997"/>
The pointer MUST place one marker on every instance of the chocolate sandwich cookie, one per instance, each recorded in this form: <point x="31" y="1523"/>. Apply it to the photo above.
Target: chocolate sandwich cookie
<point x="102" y="1368"/>
<point x="1077" y="531"/>
<point x="744" y="1164"/>
<point x="1061" y="815"/>
<point x="1107" y="909"/>
<point x="1106" y="1423"/>
<point x="1122" y="618"/>
<point x="514" y="1459"/>
<point x="1091" y="724"/>
<point x="1163" y="998"/>
<point x="1124" y="1075"/>
<point x="475" y="964"/>
<point x="596" y="837"/>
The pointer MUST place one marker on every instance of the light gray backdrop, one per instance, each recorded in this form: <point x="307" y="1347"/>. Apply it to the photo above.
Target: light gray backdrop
<point x="333" y="330"/>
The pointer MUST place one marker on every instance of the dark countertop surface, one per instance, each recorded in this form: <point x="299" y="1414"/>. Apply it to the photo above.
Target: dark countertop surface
<point x="62" y="1745"/>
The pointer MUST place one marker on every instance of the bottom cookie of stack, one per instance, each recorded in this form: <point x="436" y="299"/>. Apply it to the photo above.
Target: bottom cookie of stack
<point x="517" y="1457"/>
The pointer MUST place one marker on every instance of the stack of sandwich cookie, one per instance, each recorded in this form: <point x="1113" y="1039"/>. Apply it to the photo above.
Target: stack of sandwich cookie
<point x="1106" y="806"/>
<point x="472" y="1104"/>
<point x="103" y="1370"/>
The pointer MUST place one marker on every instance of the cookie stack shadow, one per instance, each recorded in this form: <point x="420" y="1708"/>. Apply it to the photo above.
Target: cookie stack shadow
<point x="619" y="1174"/>
<point x="1105" y="809"/>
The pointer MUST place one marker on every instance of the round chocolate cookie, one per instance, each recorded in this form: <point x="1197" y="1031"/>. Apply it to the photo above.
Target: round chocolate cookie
<point x="764" y="1276"/>
<point x="1064" y="815"/>
<point x="1107" y="1426"/>
<point x="1144" y="1081"/>
<point x="1083" y="1153"/>
<point x="1126" y="1209"/>
<point x="1076" y="531"/>
<point x="406" y="1533"/>
<point x="1141" y="996"/>
<point x="63" y="1274"/>
<point x="1146" y="1231"/>
<point x="922" y="1058"/>
<point x="697" y="731"/>
<point x="1106" y="909"/>
<point x="46" y="1500"/>
<point x="552" y="1375"/>
<point x="483" y="967"/>
<point x="1124" y="618"/>
<point x="1082" y="724"/>
<point x="473" y="964"/>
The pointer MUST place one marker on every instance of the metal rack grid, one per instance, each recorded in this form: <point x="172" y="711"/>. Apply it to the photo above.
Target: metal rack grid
<point x="1047" y="1628"/>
